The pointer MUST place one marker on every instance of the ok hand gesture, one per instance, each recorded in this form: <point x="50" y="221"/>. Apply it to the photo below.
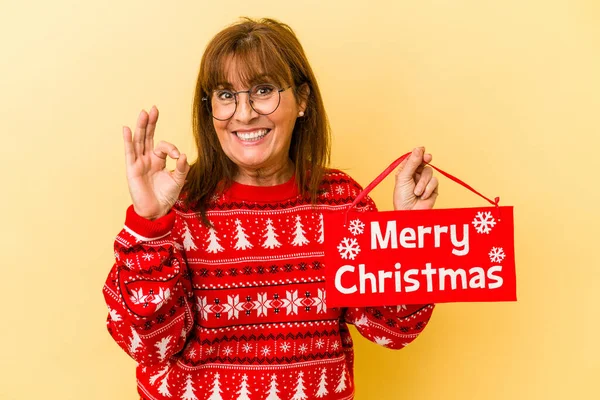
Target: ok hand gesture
<point x="153" y="188"/>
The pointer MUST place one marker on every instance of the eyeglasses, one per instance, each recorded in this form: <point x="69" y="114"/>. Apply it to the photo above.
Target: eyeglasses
<point x="264" y="99"/>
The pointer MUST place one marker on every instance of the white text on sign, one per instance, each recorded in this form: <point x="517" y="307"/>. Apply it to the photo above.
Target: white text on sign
<point x="410" y="238"/>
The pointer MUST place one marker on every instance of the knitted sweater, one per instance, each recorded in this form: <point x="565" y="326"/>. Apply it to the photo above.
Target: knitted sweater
<point x="238" y="310"/>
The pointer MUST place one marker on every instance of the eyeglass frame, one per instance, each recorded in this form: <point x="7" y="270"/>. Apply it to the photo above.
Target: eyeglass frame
<point x="235" y="97"/>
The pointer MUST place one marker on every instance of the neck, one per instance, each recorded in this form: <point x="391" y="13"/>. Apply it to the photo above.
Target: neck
<point x="266" y="176"/>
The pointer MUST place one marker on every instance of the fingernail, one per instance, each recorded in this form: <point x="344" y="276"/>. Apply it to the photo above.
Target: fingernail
<point x="175" y="153"/>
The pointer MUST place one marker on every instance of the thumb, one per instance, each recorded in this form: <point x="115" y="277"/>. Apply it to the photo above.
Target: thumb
<point x="410" y="165"/>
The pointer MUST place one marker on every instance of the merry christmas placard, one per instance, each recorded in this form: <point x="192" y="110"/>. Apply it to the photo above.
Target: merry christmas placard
<point x="422" y="256"/>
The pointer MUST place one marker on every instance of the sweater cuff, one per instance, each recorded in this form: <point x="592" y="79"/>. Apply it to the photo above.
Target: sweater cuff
<point x="146" y="230"/>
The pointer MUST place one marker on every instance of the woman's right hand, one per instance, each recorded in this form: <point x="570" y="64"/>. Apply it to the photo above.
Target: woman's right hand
<point x="154" y="189"/>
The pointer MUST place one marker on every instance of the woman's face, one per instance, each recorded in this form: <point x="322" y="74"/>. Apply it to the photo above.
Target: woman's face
<point x="258" y="144"/>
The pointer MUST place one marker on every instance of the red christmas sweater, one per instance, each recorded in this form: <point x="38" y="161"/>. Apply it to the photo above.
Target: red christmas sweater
<point x="239" y="310"/>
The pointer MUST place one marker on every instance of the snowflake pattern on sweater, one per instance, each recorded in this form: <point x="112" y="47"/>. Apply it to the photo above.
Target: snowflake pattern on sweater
<point x="239" y="310"/>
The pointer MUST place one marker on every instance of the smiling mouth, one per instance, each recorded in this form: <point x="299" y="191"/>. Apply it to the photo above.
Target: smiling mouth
<point x="252" y="136"/>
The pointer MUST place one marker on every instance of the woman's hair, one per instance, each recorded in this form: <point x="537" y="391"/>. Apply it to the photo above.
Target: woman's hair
<point x="259" y="47"/>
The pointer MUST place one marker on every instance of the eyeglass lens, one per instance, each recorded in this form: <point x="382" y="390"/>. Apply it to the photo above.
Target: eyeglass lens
<point x="264" y="99"/>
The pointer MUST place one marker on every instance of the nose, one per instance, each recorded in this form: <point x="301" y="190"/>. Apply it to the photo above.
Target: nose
<point x="244" y="111"/>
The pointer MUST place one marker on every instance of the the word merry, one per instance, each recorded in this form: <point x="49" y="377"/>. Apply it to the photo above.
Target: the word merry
<point x="410" y="238"/>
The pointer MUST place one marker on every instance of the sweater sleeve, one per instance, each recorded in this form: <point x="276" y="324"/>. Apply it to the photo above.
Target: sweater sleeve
<point x="390" y="326"/>
<point x="148" y="290"/>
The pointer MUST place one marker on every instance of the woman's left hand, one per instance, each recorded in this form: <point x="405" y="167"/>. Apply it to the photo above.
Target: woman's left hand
<point x="416" y="187"/>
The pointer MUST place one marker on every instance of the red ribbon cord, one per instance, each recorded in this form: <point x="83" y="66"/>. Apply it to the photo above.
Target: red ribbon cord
<point x="394" y="165"/>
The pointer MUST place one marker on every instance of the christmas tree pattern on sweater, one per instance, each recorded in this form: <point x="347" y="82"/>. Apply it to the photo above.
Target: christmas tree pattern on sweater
<point x="238" y="310"/>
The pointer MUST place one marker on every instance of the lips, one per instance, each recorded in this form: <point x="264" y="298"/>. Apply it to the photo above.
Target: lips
<point x="252" y="136"/>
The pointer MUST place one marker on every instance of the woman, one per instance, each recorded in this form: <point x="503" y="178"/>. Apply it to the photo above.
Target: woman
<point x="217" y="290"/>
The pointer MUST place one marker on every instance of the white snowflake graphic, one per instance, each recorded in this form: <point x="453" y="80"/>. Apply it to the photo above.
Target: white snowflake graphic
<point x="210" y="350"/>
<point x="484" y="222"/>
<point x="383" y="341"/>
<point x="117" y="255"/>
<point x="227" y="351"/>
<point x="160" y="298"/>
<point x="348" y="248"/>
<point x="339" y="190"/>
<point x="335" y="346"/>
<point x="320" y="343"/>
<point x="247" y="348"/>
<point x="265" y="351"/>
<point x="192" y="353"/>
<point x="497" y="254"/>
<point x="356" y="227"/>
<point x="303" y="348"/>
<point x="285" y="347"/>
<point x="128" y="263"/>
<point x="147" y="257"/>
<point x="138" y="297"/>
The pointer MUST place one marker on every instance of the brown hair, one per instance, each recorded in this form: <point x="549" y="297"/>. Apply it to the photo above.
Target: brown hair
<point x="260" y="47"/>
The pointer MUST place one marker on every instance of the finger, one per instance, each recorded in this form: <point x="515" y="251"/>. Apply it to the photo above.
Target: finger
<point x="152" y="118"/>
<point x="423" y="181"/>
<point x="181" y="169"/>
<point x="417" y="177"/>
<point x="140" y="133"/>
<point x="426" y="160"/>
<point x="412" y="163"/>
<point x="129" y="152"/>
<point x="164" y="149"/>
<point x="431" y="189"/>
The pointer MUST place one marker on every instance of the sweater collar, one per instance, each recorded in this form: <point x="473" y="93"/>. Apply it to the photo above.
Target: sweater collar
<point x="263" y="194"/>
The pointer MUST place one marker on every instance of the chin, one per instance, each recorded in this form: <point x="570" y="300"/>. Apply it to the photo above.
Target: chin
<point x="252" y="159"/>
<point x="249" y="163"/>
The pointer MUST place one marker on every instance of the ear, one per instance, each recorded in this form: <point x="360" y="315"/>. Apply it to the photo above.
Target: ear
<point x="303" y="93"/>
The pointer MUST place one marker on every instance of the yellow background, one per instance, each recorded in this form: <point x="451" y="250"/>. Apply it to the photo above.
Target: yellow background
<point x="505" y="94"/>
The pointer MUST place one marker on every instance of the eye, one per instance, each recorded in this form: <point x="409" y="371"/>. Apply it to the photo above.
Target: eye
<point x="224" y="95"/>
<point x="264" y="90"/>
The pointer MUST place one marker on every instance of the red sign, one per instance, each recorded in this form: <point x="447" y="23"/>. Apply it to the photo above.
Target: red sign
<point x="419" y="256"/>
<point x="422" y="256"/>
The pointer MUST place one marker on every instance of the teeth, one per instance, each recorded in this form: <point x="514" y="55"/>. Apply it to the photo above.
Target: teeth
<point x="252" y="136"/>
